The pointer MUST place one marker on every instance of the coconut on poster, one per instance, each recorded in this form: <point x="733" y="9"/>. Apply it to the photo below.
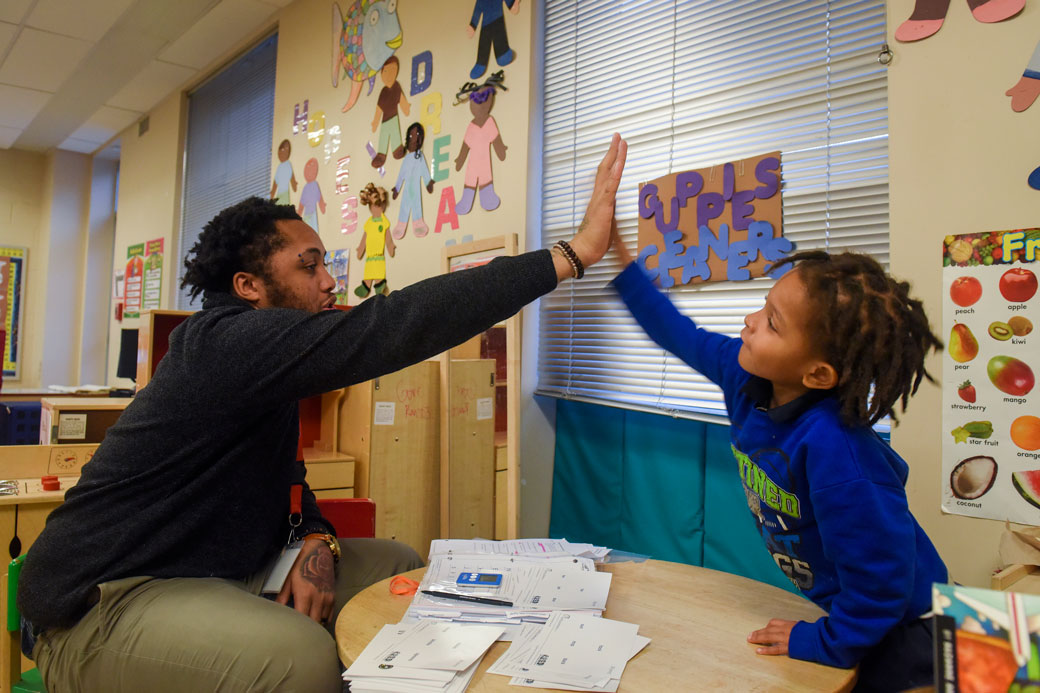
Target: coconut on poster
<point x="991" y="407"/>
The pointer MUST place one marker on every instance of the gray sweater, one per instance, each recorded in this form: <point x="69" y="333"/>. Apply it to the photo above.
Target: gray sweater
<point x="193" y="480"/>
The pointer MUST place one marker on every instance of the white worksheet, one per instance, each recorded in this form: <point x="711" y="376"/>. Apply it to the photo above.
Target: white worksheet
<point x="440" y="645"/>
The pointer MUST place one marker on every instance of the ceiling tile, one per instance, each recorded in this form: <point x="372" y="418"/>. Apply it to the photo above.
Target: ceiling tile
<point x="18" y="106"/>
<point x="84" y="20"/>
<point x="222" y="28"/>
<point x="8" y="136"/>
<point x="156" y="81"/>
<point x="42" y="60"/>
<point x="7" y="32"/>
<point x="73" y="144"/>
<point x="14" y="10"/>
<point x="104" y="125"/>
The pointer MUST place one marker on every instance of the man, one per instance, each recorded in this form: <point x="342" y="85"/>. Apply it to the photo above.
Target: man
<point x="147" y="577"/>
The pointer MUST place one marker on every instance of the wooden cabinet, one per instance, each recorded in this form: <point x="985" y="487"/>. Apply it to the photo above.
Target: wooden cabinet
<point x="330" y="471"/>
<point x="78" y="419"/>
<point x="471" y="449"/>
<point x="501" y="343"/>
<point x="391" y="427"/>
<point x="153" y="340"/>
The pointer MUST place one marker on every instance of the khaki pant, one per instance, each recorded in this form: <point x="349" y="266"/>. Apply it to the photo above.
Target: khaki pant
<point x="189" y="635"/>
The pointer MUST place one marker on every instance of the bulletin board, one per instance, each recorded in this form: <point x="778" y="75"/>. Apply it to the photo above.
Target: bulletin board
<point x="12" y="300"/>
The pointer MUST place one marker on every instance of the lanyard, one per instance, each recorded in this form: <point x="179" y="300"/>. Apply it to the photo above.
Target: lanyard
<point x="295" y="508"/>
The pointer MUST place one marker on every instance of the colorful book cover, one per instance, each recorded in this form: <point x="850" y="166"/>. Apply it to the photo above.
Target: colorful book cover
<point x="986" y="641"/>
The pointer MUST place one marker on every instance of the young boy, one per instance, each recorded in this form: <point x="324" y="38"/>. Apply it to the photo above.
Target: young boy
<point x="836" y="345"/>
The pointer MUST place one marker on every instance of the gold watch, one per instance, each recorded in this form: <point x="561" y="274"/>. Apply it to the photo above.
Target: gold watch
<point x="330" y="540"/>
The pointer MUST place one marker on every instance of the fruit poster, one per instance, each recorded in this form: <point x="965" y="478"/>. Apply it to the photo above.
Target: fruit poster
<point x="991" y="409"/>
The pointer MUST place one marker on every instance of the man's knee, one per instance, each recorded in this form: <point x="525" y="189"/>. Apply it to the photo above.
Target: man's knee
<point x="305" y="661"/>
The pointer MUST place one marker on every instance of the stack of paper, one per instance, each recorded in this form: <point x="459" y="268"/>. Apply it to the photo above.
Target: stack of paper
<point x="573" y="652"/>
<point x="518" y="547"/>
<point x="421" y="657"/>
<point x="531" y="589"/>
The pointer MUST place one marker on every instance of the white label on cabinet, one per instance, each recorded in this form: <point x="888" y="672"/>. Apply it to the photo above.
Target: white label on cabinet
<point x="485" y="408"/>
<point x="72" y="426"/>
<point x="384" y="414"/>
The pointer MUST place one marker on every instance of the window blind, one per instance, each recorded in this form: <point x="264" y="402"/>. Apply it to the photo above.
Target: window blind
<point x="228" y="147"/>
<point x="690" y="84"/>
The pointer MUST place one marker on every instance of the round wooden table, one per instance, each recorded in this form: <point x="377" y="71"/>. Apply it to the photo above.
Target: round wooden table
<point x="698" y="621"/>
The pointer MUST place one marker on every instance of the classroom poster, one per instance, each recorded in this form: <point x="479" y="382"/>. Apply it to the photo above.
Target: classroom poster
<point x="991" y="408"/>
<point x="12" y="301"/>
<point x="134" y="283"/>
<point x="153" y="271"/>
<point x="724" y="222"/>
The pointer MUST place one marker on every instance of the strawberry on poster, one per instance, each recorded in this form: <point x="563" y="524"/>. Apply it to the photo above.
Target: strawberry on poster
<point x="991" y="408"/>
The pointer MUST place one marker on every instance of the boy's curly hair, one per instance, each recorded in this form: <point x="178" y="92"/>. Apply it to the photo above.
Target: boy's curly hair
<point x="241" y="238"/>
<point x="372" y="194"/>
<point x="869" y="329"/>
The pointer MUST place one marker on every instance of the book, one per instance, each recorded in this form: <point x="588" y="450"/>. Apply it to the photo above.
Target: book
<point x="986" y="640"/>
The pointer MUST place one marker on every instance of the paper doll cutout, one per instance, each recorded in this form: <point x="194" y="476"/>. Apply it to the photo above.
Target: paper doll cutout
<point x="284" y="178"/>
<point x="362" y="41"/>
<point x="481" y="136"/>
<point x="488" y="14"/>
<point x="311" y="199"/>
<point x="375" y="242"/>
<point x="386" y="119"/>
<point x="1025" y="92"/>
<point x="928" y="16"/>
<point x="414" y="175"/>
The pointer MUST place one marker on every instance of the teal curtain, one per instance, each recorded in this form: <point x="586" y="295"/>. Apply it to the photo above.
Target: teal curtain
<point x="654" y="485"/>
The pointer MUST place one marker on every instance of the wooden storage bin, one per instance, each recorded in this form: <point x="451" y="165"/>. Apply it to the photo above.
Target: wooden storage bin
<point x="78" y="419"/>
<point x="391" y="427"/>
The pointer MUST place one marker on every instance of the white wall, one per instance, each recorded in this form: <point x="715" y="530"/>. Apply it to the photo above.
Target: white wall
<point x="97" y="276"/>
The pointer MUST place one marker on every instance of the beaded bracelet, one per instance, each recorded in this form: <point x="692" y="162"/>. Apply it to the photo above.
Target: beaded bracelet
<point x="572" y="257"/>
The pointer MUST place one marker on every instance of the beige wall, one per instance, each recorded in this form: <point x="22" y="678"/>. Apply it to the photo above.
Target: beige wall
<point x="149" y="202"/>
<point x="958" y="161"/>
<point x="22" y="205"/>
<point x="62" y="258"/>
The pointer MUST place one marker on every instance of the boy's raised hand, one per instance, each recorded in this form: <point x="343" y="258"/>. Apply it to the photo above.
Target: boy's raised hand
<point x="594" y="234"/>
<point x="774" y="636"/>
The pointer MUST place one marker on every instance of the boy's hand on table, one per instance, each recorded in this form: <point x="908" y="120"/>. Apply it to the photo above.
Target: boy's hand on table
<point x="312" y="582"/>
<point x="774" y="636"/>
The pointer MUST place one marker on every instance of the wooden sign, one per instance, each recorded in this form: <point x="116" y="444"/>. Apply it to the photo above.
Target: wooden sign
<point x="719" y="223"/>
